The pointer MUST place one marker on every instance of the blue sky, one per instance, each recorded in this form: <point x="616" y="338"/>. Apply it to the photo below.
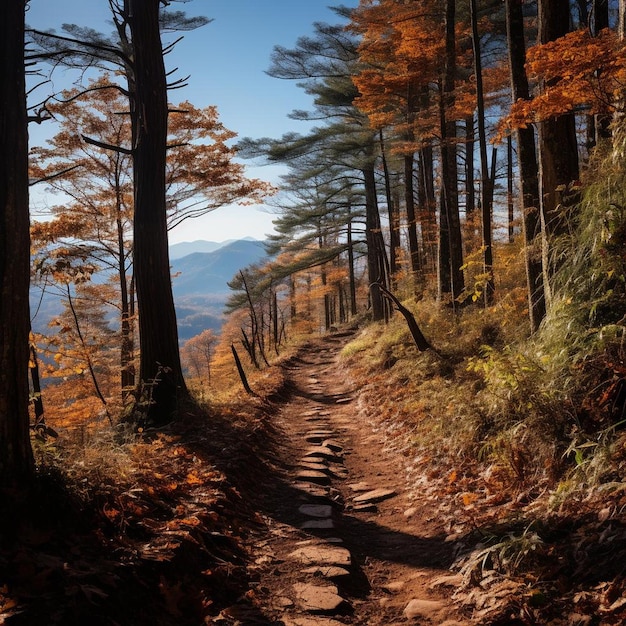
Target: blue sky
<point x="227" y="60"/>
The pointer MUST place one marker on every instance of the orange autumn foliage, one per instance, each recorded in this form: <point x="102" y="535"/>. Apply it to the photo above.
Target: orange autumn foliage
<point x="575" y="72"/>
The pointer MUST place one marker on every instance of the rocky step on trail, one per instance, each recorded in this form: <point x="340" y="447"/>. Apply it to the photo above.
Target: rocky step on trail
<point x="346" y="542"/>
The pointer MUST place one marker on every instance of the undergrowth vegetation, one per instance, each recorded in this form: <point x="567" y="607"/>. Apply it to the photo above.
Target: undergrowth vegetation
<point x="534" y="425"/>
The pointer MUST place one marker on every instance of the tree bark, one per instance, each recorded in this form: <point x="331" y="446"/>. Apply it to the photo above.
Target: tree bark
<point x="528" y="170"/>
<point x="451" y="279"/>
<point x="16" y="459"/>
<point x="376" y="266"/>
<point x="409" y="202"/>
<point x="393" y="212"/>
<point x="558" y="147"/>
<point x="158" y="334"/>
<point x="486" y="186"/>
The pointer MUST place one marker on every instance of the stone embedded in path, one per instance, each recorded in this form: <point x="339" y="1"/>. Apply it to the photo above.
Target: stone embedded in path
<point x="328" y="571"/>
<point x="320" y="598"/>
<point x="322" y="452"/>
<point x="313" y="476"/>
<point x="318" y="524"/>
<point x="365" y="508"/>
<point x="376" y="495"/>
<point x="318" y="493"/>
<point x="335" y="446"/>
<point x="316" y="510"/>
<point x="315" y="438"/>
<point x="363" y="486"/>
<point x="321" y="554"/>
<point x="422" y="608"/>
<point x="318" y="466"/>
<point x="309" y="621"/>
<point x="339" y="471"/>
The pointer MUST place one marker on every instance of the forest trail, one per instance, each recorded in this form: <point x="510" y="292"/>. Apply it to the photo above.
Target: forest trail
<point x="348" y="541"/>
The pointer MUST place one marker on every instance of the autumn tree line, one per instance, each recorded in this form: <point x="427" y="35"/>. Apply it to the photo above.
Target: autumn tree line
<point x="441" y="130"/>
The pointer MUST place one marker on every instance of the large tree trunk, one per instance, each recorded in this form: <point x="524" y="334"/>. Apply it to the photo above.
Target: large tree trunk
<point x="558" y="147"/>
<point x="159" y="358"/>
<point x="451" y="278"/>
<point x="16" y="459"/>
<point x="528" y="170"/>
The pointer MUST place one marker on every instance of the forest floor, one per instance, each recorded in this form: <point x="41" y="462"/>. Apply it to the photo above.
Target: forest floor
<point x="294" y="508"/>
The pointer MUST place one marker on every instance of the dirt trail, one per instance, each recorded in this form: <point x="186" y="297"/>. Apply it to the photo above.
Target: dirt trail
<point x="349" y="543"/>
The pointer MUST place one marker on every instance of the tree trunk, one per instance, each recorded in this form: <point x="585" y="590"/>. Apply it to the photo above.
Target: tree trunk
<point x="376" y="266"/>
<point x="409" y="202"/>
<point x="470" y="194"/>
<point x="428" y="207"/>
<point x="509" y="187"/>
<point x="393" y="212"/>
<point x="127" y="367"/>
<point x="558" y="147"/>
<point x="352" y="277"/>
<point x="486" y="183"/>
<point x="159" y="358"/>
<point x="16" y="459"/>
<point x="451" y="278"/>
<point x="528" y="170"/>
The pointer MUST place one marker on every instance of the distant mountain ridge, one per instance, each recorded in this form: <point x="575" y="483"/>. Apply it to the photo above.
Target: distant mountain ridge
<point x="184" y="248"/>
<point x="199" y="283"/>
<point x="209" y="272"/>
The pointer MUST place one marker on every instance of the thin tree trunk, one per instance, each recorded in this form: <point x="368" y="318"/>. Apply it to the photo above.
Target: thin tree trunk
<point x="409" y="202"/>
<point x="376" y="266"/>
<point x="486" y="186"/>
<point x="127" y="367"/>
<point x="509" y="186"/>
<point x="392" y="209"/>
<point x="241" y="371"/>
<point x="352" y="277"/>
<point x="428" y="207"/>
<point x="35" y="379"/>
<point x="528" y="170"/>
<point x="470" y="193"/>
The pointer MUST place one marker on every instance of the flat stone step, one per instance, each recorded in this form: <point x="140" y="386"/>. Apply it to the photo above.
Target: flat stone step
<point x="318" y="466"/>
<point x="316" y="510"/>
<point x="334" y="445"/>
<point x="328" y="571"/>
<point x="322" y="554"/>
<point x="313" y="476"/>
<point x="376" y="495"/>
<point x="322" y="452"/>
<point x="318" y="524"/>
<point x="320" y="599"/>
